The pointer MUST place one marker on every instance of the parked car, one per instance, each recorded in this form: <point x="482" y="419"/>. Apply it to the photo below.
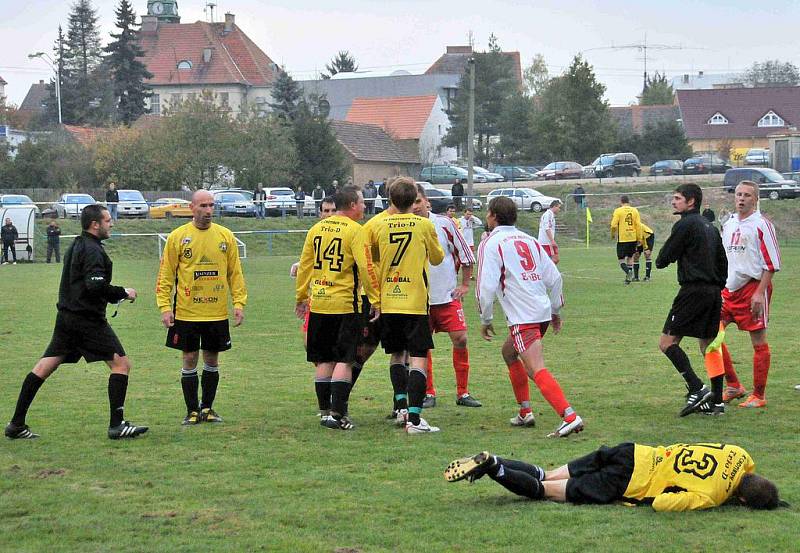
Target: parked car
<point x="233" y="204"/>
<point x="18" y="200"/>
<point x="756" y="156"/>
<point x="513" y="172"/>
<point x="559" y="170"/>
<point x="447" y="174"/>
<point x="705" y="164"/>
<point x="532" y="169"/>
<point x="588" y="170"/>
<point x="771" y="184"/>
<point x="132" y="204"/>
<point x="618" y="165"/>
<point x="169" y="208"/>
<point x="667" y="167"/>
<point x="487" y="175"/>
<point x="71" y="205"/>
<point x="525" y="198"/>
<point x="280" y="200"/>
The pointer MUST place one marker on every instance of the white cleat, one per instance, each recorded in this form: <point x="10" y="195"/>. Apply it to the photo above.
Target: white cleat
<point x="567" y="428"/>
<point x="402" y="417"/>
<point x="422" y="428"/>
<point x="527" y="420"/>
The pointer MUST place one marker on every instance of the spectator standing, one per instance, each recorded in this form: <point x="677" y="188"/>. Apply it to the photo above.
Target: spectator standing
<point x="300" y="201"/>
<point x="317" y="194"/>
<point x="458" y="193"/>
<point x="53" y="241"/>
<point x="9" y="235"/>
<point x="382" y="190"/>
<point x="332" y="189"/>
<point x="260" y="197"/>
<point x="370" y="193"/>
<point x="112" y="200"/>
<point x="579" y="194"/>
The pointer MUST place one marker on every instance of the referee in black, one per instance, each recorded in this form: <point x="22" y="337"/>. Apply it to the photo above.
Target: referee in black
<point x="702" y="270"/>
<point x="81" y="328"/>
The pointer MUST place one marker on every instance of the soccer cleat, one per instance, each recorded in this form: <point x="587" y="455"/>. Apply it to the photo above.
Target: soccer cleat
<point x="402" y="417"/>
<point x="646" y="279"/>
<point x="467" y="400"/>
<point x="635" y="279"/>
<point x="797" y="387"/>
<point x="429" y="401"/>
<point x="753" y="402"/>
<point x="192" y="418"/>
<point x="209" y="415"/>
<point x="712" y="409"/>
<point x="694" y="399"/>
<point x="337" y="424"/>
<point x="422" y="428"/>
<point x="14" y="432"/>
<point x="392" y="417"/>
<point x="732" y="393"/>
<point x="567" y="428"/>
<point x="527" y="420"/>
<point x="472" y="468"/>
<point x="323" y="413"/>
<point x="125" y="430"/>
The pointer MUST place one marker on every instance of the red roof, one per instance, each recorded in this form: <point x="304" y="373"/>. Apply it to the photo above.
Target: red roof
<point x="402" y="117"/>
<point x="87" y="136"/>
<point x="234" y="57"/>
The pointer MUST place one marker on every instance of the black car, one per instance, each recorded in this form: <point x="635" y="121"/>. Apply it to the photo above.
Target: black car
<point x="771" y="184"/>
<point x="705" y="164"/>
<point x="667" y="167"/>
<point x="512" y="172"/>
<point x="616" y="165"/>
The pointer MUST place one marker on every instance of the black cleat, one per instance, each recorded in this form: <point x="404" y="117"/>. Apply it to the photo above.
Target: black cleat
<point x="337" y="424"/>
<point x="14" y="432"/>
<point x="191" y="419"/>
<point x="429" y="402"/>
<point x="468" y="401"/>
<point x="125" y="430"/>
<point x="711" y="409"/>
<point x="209" y="415"/>
<point x="694" y="400"/>
<point x="469" y="467"/>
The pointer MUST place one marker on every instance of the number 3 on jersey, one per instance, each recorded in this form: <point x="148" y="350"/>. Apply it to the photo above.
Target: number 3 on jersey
<point x="332" y="254"/>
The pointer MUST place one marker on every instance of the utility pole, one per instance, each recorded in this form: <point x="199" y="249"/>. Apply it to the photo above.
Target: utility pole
<point x="471" y="128"/>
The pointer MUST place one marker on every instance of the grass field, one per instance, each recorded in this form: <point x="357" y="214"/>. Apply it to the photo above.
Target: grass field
<point x="271" y="479"/>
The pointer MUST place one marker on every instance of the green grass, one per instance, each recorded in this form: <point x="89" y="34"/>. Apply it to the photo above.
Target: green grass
<point x="271" y="479"/>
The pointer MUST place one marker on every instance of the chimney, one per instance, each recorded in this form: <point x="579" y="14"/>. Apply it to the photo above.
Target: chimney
<point x="700" y="74"/>
<point x="41" y="81"/>
<point x="230" y="20"/>
<point x="459" y="49"/>
<point x="685" y="78"/>
<point x="207" y="55"/>
<point x="149" y="24"/>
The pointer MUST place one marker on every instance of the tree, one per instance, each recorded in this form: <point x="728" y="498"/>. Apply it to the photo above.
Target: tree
<point x="287" y="93"/>
<point x="55" y="161"/>
<point x="320" y="157"/>
<point x="664" y="140"/>
<point x="127" y="72"/>
<point x="515" y="127"/>
<point x="495" y="83"/>
<point x="772" y="73"/>
<point x="261" y="150"/>
<point x="343" y="62"/>
<point x="657" y="91"/>
<point x="573" y="121"/>
<point x="536" y="76"/>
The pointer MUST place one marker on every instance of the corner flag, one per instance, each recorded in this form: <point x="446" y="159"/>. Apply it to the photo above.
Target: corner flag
<point x="588" y="221"/>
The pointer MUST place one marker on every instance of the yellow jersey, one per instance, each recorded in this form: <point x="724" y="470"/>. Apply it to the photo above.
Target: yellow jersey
<point x="405" y="243"/>
<point x="333" y="266"/>
<point x="683" y="477"/>
<point x="370" y="244"/>
<point x="626" y="224"/>
<point x="198" y="268"/>
<point x="646" y="232"/>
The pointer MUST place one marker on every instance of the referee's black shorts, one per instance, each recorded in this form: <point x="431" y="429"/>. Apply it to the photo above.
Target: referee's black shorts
<point x="601" y="476"/>
<point x="695" y="311"/>
<point x="402" y="332"/>
<point x="333" y="338"/>
<point x="650" y="240"/>
<point x="625" y="249"/>
<point x="196" y="335"/>
<point x="76" y="336"/>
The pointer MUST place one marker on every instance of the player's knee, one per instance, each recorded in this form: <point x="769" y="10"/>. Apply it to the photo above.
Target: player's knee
<point x="460" y="341"/>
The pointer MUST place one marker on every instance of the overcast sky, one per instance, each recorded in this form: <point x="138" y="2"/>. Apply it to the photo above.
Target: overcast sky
<point x="704" y="35"/>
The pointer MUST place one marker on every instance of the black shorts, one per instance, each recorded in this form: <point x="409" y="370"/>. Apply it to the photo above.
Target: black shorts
<point x="602" y="476"/>
<point x="370" y="332"/>
<point x="625" y="249"/>
<point x="695" y="311"/>
<point x="401" y="332"/>
<point x="195" y="335"/>
<point x="75" y="336"/>
<point x="333" y="338"/>
<point x="651" y="240"/>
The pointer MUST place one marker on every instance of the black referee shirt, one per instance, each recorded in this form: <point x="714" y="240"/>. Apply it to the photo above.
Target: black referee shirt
<point x="697" y="247"/>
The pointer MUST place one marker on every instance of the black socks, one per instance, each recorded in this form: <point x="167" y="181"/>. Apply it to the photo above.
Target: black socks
<point x="117" y="389"/>
<point x="681" y="362"/>
<point x="30" y="386"/>
<point x="399" y="376"/>
<point x="190" y="384"/>
<point x="209" y="381"/>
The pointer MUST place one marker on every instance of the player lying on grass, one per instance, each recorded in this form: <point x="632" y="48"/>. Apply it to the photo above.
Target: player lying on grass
<point x="679" y="477"/>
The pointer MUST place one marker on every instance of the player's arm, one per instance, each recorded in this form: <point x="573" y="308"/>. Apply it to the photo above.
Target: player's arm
<point x="682" y="501"/>
<point x="166" y="275"/>
<point x="236" y="282"/>
<point x="672" y="247"/>
<point x="304" y="269"/>
<point x="489" y="270"/>
<point x="366" y="272"/>
<point x="614" y="223"/>
<point x="435" y="251"/>
<point x="96" y="278"/>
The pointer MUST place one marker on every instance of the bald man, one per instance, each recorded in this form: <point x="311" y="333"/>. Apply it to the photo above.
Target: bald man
<point x="199" y="268"/>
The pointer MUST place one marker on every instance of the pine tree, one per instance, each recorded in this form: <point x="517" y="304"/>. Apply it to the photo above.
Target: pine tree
<point x="286" y="92"/>
<point x="83" y="95"/>
<point x="657" y="91"/>
<point x="127" y="73"/>
<point x="343" y="62"/>
<point x="320" y="158"/>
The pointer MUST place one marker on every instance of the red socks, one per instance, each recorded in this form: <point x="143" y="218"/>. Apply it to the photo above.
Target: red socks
<point x="551" y="391"/>
<point x="431" y="391"/>
<point x="461" y="366"/>
<point x="519" y="381"/>
<point x="761" y="360"/>
<point x="730" y="374"/>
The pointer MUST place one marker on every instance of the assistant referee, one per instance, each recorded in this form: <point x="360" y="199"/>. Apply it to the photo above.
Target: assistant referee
<point x="81" y="328"/>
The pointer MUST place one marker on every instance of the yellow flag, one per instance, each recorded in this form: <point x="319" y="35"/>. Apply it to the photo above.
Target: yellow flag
<point x="589" y="216"/>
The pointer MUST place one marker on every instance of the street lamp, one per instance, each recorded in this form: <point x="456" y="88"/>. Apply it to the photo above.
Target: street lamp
<point x="55" y="67"/>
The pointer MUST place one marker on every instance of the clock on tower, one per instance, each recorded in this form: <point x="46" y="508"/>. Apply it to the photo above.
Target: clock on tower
<point x="165" y="10"/>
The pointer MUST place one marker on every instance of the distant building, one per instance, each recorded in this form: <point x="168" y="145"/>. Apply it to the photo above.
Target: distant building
<point x="635" y="119"/>
<point x="3" y="84"/>
<point x="190" y="59"/>
<point x="454" y="62"/>
<point x="705" y="81"/>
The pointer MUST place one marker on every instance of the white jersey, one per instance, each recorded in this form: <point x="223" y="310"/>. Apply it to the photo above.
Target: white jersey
<point x="751" y="247"/>
<point x="467" y="229"/>
<point x="547" y="222"/>
<point x="443" y="278"/>
<point x="513" y="267"/>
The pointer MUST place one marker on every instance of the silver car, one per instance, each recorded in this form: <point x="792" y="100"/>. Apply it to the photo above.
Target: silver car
<point x="525" y="198"/>
<point x="71" y="205"/>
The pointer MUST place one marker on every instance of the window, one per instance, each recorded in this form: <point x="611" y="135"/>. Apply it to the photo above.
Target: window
<point x="718" y="119"/>
<point x="155" y="104"/>
<point x="771" y="119"/>
<point x="184" y="65"/>
<point x="224" y="98"/>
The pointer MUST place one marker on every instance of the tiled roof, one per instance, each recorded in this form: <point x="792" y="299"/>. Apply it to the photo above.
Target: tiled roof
<point x="35" y="98"/>
<point x="371" y="143"/>
<point x="402" y="117"/>
<point x="742" y="107"/>
<point x="455" y="61"/>
<point x="86" y="136"/>
<point x="234" y="58"/>
<point x="634" y="119"/>
<point x="3" y="81"/>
